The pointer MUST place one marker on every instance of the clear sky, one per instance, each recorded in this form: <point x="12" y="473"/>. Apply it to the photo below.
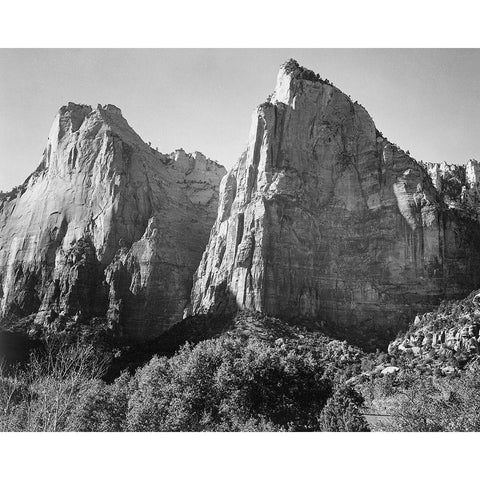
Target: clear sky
<point x="426" y="101"/>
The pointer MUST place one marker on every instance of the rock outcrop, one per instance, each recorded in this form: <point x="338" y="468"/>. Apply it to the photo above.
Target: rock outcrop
<point x="324" y="219"/>
<point x="107" y="228"/>
<point x="452" y="329"/>
<point x="459" y="185"/>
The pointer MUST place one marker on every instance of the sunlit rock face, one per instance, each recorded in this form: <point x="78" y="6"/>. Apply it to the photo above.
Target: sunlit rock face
<point x="324" y="219"/>
<point x="459" y="185"/>
<point x="106" y="227"/>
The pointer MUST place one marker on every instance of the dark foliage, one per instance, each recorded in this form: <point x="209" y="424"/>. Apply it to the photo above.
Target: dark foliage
<point x="302" y="73"/>
<point x="259" y="374"/>
<point x="342" y="413"/>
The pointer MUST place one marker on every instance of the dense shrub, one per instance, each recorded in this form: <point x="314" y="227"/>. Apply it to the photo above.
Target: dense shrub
<point x="228" y="383"/>
<point x="260" y="375"/>
<point x="102" y="407"/>
<point x="342" y="413"/>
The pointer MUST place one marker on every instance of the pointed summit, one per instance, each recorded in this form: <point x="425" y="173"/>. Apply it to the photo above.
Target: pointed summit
<point x="292" y="77"/>
<point x="324" y="221"/>
<point x="108" y="230"/>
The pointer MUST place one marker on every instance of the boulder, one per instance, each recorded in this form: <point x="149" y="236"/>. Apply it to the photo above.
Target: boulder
<point x="390" y="370"/>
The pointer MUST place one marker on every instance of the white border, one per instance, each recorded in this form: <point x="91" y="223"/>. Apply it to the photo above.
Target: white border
<point x="238" y="456"/>
<point x="246" y="23"/>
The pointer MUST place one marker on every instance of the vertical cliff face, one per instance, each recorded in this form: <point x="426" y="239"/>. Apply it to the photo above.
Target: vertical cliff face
<point x="324" y="219"/>
<point x="105" y="228"/>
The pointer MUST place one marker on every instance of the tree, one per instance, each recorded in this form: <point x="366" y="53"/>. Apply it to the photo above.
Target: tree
<point x="228" y="383"/>
<point x="49" y="389"/>
<point x="342" y="412"/>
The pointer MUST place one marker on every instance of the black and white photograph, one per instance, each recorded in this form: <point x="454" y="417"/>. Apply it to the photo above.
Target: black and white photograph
<point x="253" y="240"/>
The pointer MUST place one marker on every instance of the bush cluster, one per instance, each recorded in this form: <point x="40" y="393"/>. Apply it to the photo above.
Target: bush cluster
<point x="231" y="383"/>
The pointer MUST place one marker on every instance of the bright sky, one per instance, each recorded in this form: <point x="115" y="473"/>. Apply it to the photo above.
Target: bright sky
<point x="426" y="101"/>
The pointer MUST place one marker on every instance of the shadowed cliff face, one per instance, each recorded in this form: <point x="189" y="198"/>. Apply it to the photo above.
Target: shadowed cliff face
<point x="106" y="228"/>
<point x="323" y="218"/>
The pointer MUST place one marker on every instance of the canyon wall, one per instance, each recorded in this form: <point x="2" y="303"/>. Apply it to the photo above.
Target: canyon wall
<point x="106" y="230"/>
<point x="324" y="220"/>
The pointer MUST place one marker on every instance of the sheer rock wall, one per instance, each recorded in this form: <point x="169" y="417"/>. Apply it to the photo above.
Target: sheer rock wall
<point x="323" y="218"/>
<point x="106" y="228"/>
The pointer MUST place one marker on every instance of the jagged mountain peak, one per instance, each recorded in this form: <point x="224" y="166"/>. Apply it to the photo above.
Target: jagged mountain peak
<point x="323" y="218"/>
<point x="107" y="228"/>
<point x="71" y="117"/>
<point x="80" y="108"/>
<point x="293" y="79"/>
<point x="78" y="127"/>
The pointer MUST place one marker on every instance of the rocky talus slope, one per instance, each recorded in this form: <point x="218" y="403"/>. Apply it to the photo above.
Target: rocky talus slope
<point x="324" y="219"/>
<point x="106" y="230"/>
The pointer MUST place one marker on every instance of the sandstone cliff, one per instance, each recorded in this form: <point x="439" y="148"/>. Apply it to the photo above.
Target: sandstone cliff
<point x="106" y="228"/>
<point x="324" y="219"/>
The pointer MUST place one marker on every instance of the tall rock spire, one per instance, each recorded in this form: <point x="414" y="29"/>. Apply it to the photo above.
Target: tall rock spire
<point x="324" y="219"/>
<point x="106" y="230"/>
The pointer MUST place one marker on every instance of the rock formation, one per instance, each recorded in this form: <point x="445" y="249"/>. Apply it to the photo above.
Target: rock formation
<point x="324" y="219"/>
<point x="459" y="185"/>
<point x="452" y="329"/>
<point x="106" y="228"/>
